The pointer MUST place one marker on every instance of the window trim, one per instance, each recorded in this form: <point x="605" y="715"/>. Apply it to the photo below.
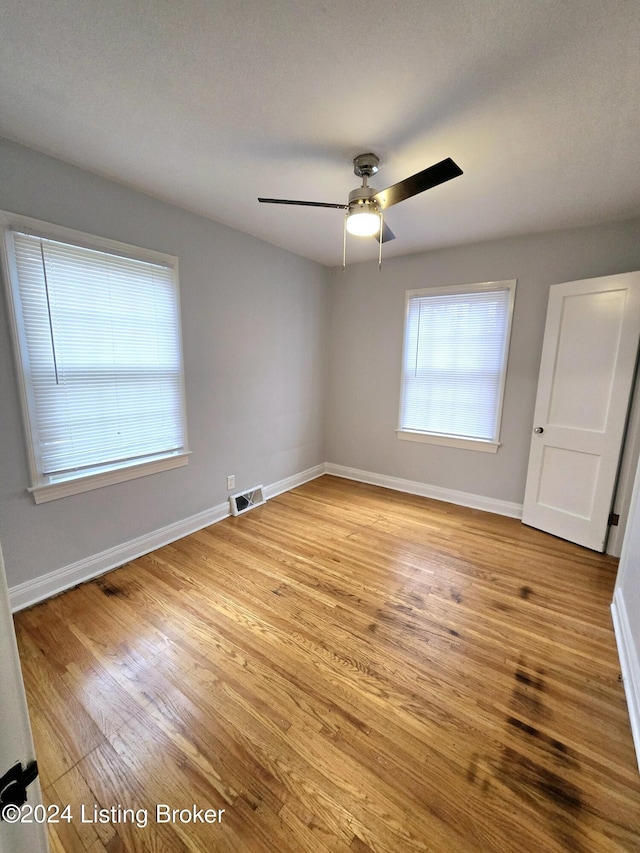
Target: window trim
<point x="443" y="439"/>
<point x="47" y="487"/>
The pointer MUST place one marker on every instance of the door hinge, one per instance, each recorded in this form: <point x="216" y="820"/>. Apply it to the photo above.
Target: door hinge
<point x="14" y="784"/>
<point x="614" y="519"/>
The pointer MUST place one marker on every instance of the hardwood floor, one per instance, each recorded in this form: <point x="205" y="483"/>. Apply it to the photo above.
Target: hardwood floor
<point x="345" y="668"/>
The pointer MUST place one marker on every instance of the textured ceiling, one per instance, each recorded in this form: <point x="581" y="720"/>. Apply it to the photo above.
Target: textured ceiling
<point x="211" y="104"/>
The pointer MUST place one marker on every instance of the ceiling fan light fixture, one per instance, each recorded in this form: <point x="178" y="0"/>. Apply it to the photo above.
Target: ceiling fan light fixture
<point x="363" y="222"/>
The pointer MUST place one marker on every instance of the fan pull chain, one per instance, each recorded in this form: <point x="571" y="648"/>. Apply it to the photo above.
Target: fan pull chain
<point x="344" y="244"/>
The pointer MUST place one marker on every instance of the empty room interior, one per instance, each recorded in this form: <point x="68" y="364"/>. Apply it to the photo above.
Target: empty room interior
<point x="320" y="427"/>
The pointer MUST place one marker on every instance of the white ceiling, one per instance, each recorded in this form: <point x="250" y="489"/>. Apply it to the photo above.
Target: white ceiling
<point x="209" y="104"/>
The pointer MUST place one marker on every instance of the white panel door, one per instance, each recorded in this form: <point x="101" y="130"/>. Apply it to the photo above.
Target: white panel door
<point x="586" y="376"/>
<point x="16" y="744"/>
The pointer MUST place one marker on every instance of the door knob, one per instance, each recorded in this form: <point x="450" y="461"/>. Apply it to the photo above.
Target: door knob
<point x="539" y="430"/>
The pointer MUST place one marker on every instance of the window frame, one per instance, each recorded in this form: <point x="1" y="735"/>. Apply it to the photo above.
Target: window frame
<point x="46" y="487"/>
<point x="444" y="439"/>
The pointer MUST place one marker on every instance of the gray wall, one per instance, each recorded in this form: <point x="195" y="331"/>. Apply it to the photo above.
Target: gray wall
<point x="254" y="321"/>
<point x="365" y="346"/>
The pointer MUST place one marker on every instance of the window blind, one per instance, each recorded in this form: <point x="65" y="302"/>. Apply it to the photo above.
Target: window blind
<point x="104" y="358"/>
<point x="454" y="360"/>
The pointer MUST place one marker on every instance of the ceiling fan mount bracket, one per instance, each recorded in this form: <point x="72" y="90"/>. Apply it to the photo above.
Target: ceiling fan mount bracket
<point x="365" y="165"/>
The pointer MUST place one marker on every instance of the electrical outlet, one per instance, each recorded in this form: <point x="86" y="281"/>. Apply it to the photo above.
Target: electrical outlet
<point x="231" y="482"/>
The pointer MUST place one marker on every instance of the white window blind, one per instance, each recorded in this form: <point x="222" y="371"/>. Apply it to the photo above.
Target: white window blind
<point x="455" y="361"/>
<point x="101" y="356"/>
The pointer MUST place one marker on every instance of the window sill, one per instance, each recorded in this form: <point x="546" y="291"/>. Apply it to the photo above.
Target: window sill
<point x="449" y="441"/>
<point x="75" y="484"/>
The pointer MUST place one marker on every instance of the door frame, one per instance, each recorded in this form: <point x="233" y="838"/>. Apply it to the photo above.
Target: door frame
<point x="629" y="459"/>
<point x="16" y="741"/>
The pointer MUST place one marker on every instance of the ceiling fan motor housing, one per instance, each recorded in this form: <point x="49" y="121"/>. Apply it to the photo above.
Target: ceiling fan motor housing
<point x="361" y="200"/>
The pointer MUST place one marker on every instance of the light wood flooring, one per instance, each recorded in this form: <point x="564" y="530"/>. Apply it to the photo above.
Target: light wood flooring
<point x="343" y="669"/>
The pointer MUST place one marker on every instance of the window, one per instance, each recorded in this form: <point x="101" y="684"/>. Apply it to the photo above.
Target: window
<point x="454" y="364"/>
<point x="97" y="329"/>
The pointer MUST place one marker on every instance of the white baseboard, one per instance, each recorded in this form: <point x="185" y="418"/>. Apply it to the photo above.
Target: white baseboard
<point x="296" y="480"/>
<point x="629" y="665"/>
<point x="32" y="591"/>
<point x="513" y="510"/>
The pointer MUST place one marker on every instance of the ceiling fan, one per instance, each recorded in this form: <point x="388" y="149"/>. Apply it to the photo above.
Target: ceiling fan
<point x="364" y="212"/>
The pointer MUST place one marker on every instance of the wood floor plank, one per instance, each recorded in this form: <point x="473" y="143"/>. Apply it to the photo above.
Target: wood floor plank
<point x="342" y="669"/>
<point x="61" y="724"/>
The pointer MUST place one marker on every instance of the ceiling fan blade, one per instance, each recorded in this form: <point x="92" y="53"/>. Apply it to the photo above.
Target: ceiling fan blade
<point x="418" y="183"/>
<point x="306" y="203"/>
<point x="387" y="234"/>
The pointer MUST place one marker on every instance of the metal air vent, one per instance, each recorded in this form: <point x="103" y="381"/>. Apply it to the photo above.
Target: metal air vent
<point x="243" y="501"/>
